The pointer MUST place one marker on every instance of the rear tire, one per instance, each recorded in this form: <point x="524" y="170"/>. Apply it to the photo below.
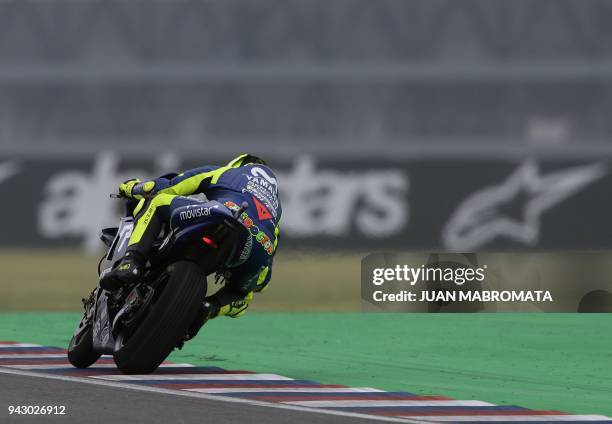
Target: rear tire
<point x="81" y="353"/>
<point x="167" y="322"/>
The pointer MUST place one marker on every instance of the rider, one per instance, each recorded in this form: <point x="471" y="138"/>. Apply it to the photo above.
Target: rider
<point x="246" y="178"/>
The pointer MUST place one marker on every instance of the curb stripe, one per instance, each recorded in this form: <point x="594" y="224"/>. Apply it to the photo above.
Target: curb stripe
<point x="50" y="367"/>
<point x="289" y="398"/>
<point x="238" y="391"/>
<point x="152" y="377"/>
<point x="51" y="361"/>
<point x="435" y="410"/>
<point x="167" y="368"/>
<point x="495" y="411"/>
<point x="33" y="351"/>
<point x="386" y="403"/>
<point x="519" y="418"/>
<point x="273" y="390"/>
<point x="443" y="410"/>
<point x="31" y="355"/>
<point x="334" y="394"/>
<point x="70" y="370"/>
<point x="202" y="384"/>
<point x="10" y="345"/>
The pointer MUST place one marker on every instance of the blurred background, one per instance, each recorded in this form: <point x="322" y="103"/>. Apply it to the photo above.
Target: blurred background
<point x="392" y="125"/>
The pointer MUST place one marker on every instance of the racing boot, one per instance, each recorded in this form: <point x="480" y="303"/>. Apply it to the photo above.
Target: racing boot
<point x="237" y="308"/>
<point x="128" y="271"/>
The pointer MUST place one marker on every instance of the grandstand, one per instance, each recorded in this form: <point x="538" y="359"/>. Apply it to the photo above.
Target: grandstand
<point x="435" y="78"/>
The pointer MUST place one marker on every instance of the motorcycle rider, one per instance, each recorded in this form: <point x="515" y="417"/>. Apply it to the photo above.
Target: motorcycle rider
<point x="246" y="178"/>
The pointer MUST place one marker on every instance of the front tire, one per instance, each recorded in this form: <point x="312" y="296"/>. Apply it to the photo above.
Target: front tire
<point x="81" y="353"/>
<point x="144" y="349"/>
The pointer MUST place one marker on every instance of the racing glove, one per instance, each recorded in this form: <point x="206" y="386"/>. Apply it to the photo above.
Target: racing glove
<point x="136" y="189"/>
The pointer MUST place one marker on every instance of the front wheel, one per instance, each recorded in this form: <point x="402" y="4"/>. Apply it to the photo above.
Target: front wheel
<point x="143" y="349"/>
<point x="81" y="353"/>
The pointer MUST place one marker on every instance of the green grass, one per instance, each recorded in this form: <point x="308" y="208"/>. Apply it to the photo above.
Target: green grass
<point x="543" y="361"/>
<point x="57" y="280"/>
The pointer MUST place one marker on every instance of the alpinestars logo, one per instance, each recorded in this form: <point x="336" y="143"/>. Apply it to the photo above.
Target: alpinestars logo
<point x="484" y="216"/>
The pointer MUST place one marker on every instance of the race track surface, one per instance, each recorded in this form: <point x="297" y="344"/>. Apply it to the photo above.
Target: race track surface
<point x="99" y="404"/>
<point x="39" y="376"/>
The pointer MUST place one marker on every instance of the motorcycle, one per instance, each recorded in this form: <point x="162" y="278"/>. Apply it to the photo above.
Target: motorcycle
<point x="142" y="323"/>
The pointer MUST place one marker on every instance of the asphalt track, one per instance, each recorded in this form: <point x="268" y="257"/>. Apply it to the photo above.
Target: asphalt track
<point x="87" y="403"/>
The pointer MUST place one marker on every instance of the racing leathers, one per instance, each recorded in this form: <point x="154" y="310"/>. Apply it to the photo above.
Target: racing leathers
<point x="244" y="179"/>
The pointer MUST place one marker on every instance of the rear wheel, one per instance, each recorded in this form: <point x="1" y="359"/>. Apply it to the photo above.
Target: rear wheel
<point x="81" y="353"/>
<point x="143" y="349"/>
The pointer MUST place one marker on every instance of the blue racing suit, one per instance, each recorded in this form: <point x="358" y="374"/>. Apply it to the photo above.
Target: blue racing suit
<point x="244" y="179"/>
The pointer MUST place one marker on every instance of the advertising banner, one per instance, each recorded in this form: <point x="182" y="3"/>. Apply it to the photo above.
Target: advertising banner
<point x="456" y="205"/>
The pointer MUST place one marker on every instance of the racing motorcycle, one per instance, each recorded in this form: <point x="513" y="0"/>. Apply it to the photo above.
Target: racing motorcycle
<point x="140" y="324"/>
